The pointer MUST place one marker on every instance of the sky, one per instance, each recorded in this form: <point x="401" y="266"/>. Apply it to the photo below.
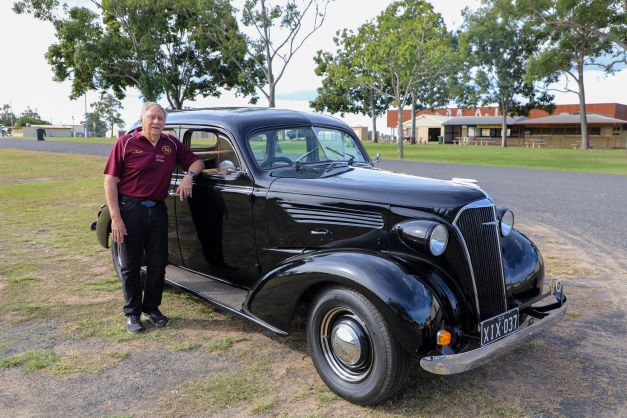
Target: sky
<point x="26" y="78"/>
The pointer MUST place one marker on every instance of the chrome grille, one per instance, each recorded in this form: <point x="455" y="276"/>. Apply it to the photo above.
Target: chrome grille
<point x="477" y="224"/>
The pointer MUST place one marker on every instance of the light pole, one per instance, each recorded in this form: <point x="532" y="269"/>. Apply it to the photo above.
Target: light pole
<point x="85" y="123"/>
<point x="72" y="125"/>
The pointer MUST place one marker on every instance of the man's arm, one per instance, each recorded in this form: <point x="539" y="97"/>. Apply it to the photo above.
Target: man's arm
<point x="118" y="229"/>
<point x="185" y="188"/>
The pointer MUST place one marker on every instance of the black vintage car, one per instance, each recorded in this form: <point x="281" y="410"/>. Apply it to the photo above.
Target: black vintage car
<point x="290" y="210"/>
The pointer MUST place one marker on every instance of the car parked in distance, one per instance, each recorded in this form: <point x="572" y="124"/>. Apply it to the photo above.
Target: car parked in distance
<point x="391" y="268"/>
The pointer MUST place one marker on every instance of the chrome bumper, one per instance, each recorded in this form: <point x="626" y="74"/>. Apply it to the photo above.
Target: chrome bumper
<point x="458" y="363"/>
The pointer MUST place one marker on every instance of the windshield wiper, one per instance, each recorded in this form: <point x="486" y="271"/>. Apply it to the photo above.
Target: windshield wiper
<point x="342" y="154"/>
<point x="298" y="163"/>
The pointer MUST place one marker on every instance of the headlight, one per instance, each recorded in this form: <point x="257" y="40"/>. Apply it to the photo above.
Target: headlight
<point x="506" y="221"/>
<point x="423" y="235"/>
<point x="438" y="240"/>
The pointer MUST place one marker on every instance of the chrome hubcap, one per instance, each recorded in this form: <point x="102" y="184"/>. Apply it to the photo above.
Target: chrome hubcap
<point x="346" y="344"/>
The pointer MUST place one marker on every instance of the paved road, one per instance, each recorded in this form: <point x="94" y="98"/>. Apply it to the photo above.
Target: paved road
<point x="57" y="146"/>
<point x="582" y="204"/>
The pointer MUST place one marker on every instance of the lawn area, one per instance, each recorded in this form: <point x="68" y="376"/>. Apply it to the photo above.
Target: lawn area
<point x="91" y="140"/>
<point x="594" y="161"/>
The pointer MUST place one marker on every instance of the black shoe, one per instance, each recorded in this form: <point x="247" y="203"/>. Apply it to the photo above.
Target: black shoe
<point x="133" y="324"/>
<point x="157" y="318"/>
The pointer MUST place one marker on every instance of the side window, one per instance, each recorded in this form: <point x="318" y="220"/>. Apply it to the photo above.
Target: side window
<point x="202" y="140"/>
<point x="212" y="147"/>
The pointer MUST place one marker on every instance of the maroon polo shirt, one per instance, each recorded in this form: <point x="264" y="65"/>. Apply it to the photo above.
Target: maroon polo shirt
<point x="145" y="171"/>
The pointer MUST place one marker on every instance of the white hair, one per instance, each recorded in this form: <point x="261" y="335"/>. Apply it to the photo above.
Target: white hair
<point x="149" y="105"/>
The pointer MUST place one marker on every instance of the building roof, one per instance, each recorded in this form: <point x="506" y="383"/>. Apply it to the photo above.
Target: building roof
<point x="482" y="120"/>
<point x="50" y="126"/>
<point x="571" y="119"/>
<point x="436" y="119"/>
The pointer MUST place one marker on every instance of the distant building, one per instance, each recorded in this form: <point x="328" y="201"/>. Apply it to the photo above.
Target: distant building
<point x="361" y="131"/>
<point x="428" y="128"/>
<point x="51" y="130"/>
<point x="564" y="130"/>
<point x="482" y="129"/>
<point x="607" y="124"/>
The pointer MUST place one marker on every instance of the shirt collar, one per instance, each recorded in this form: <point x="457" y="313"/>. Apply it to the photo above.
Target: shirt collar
<point x="137" y="134"/>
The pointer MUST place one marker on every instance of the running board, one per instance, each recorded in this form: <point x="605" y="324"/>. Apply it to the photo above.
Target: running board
<point x="218" y="293"/>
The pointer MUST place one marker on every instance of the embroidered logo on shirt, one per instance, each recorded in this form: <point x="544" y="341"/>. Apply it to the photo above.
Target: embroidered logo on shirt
<point x="166" y="149"/>
<point x="137" y="151"/>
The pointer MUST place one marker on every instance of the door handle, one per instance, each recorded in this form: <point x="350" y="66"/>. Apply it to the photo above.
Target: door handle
<point x="172" y="193"/>
<point x="320" y="231"/>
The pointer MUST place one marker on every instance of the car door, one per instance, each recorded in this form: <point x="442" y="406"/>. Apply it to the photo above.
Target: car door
<point x="215" y="225"/>
<point x="174" y="252"/>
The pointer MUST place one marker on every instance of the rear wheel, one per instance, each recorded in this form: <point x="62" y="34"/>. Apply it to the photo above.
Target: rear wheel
<point x="353" y="348"/>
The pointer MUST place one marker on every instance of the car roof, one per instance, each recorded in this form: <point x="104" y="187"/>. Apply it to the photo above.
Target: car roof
<point x="243" y="120"/>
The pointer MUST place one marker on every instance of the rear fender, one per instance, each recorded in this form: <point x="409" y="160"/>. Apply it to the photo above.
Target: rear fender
<point x="103" y="226"/>
<point x="409" y="306"/>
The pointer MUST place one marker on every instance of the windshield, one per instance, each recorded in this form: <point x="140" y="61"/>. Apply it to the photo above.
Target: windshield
<point x="287" y="146"/>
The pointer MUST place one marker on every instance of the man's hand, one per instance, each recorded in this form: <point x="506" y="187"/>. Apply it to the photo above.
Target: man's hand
<point x="185" y="188"/>
<point x="118" y="230"/>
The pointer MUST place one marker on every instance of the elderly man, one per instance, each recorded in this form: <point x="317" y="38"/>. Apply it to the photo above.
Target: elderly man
<point x="137" y="178"/>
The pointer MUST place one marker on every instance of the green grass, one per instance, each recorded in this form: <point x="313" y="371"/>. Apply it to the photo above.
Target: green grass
<point x="31" y="360"/>
<point x="90" y="140"/>
<point x="223" y="344"/>
<point x="594" y="161"/>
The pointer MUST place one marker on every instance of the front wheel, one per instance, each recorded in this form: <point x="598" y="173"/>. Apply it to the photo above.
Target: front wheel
<point x="353" y="349"/>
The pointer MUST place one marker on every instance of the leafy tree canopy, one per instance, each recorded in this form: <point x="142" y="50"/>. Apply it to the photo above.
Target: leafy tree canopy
<point x="497" y="47"/>
<point x="30" y="117"/>
<point x="408" y="53"/>
<point x="161" y="47"/>
<point x="339" y="92"/>
<point x="577" y="35"/>
<point x="7" y="117"/>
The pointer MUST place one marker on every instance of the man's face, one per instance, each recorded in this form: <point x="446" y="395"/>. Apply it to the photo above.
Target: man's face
<point x="153" y="122"/>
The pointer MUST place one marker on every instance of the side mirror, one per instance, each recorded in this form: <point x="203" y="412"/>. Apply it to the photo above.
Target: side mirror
<point x="227" y="168"/>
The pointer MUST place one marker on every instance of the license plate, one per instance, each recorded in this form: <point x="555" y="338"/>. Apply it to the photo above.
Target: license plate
<point x="499" y="326"/>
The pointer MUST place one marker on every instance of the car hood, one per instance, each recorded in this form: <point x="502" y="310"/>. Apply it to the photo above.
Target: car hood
<point x="379" y="186"/>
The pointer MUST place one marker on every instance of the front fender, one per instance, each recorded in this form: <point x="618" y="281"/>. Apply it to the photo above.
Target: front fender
<point x="409" y="306"/>
<point x="523" y="267"/>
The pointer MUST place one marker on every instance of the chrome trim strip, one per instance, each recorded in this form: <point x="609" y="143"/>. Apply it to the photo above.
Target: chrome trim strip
<point x="458" y="363"/>
<point x="498" y="238"/>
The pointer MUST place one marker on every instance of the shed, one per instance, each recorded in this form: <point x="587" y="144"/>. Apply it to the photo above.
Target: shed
<point x="51" y="131"/>
<point x="428" y="127"/>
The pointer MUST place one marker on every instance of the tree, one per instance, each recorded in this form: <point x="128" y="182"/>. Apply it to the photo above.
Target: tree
<point x="339" y="93"/>
<point x="497" y="47"/>
<point x="161" y="47"/>
<point x="408" y="49"/>
<point x="280" y="31"/>
<point x="574" y="42"/>
<point x="30" y="117"/>
<point x="107" y="110"/>
<point x="612" y="13"/>
<point x="95" y="125"/>
<point x="7" y="117"/>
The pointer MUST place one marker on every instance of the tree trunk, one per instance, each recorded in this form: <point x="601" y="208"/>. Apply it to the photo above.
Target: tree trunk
<point x="413" y="118"/>
<point x="375" y="134"/>
<point x="585" y="141"/>
<point x="504" y="125"/>
<point x="400" y="128"/>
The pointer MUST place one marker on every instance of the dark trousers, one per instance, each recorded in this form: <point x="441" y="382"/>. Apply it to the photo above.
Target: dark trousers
<point x="147" y="241"/>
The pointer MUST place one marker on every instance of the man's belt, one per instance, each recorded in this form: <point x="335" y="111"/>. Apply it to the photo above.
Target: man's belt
<point x="148" y="203"/>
